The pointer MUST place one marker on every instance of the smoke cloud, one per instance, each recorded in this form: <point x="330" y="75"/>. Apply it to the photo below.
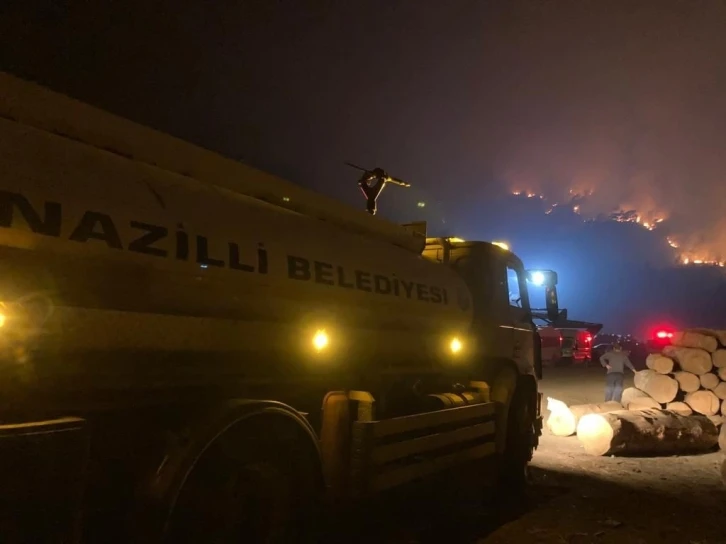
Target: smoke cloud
<point x="622" y="116"/>
<point x="613" y="106"/>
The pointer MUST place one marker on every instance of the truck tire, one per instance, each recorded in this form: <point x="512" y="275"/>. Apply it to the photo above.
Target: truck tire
<point x="520" y="445"/>
<point x="249" y="486"/>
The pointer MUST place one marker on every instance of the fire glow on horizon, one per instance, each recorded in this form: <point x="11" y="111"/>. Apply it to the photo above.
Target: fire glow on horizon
<point x="686" y="256"/>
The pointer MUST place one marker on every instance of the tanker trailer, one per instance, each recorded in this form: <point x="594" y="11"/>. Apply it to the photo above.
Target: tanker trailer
<point x="172" y="322"/>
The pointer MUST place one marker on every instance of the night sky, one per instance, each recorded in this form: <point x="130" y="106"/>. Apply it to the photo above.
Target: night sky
<point x="600" y="107"/>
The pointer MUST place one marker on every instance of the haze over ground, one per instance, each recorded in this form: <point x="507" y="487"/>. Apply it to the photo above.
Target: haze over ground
<point x="609" y="109"/>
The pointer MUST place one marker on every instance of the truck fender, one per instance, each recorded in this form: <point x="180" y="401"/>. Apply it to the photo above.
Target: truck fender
<point x="157" y="494"/>
<point x="503" y="385"/>
<point x="504" y="381"/>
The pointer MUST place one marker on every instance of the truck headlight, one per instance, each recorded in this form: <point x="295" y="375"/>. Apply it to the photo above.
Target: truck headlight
<point x="320" y="340"/>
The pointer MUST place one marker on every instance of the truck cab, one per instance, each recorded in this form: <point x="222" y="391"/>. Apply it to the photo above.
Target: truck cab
<point x="498" y="283"/>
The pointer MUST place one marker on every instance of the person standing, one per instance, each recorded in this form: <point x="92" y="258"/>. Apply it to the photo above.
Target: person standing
<point x="615" y="362"/>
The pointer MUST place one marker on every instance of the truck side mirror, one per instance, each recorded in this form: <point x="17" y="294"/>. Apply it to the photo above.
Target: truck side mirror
<point x="542" y="277"/>
<point x="547" y="278"/>
<point x="553" y="309"/>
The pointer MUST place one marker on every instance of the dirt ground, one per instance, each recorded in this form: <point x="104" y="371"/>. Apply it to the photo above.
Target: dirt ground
<point x="574" y="498"/>
<point x="677" y="500"/>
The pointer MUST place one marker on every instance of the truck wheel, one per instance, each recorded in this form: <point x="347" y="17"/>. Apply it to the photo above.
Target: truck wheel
<point x="521" y="441"/>
<point x="261" y="490"/>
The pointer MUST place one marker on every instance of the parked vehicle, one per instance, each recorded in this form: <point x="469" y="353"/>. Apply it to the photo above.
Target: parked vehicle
<point x="576" y="346"/>
<point x="551" y="345"/>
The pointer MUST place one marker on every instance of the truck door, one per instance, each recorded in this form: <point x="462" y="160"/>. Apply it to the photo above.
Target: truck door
<point x="519" y="318"/>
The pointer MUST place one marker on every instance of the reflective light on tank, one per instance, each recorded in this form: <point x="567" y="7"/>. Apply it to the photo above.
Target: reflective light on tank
<point x="503" y="245"/>
<point x="455" y="345"/>
<point x="456" y="240"/>
<point x="320" y="340"/>
<point x="2" y="319"/>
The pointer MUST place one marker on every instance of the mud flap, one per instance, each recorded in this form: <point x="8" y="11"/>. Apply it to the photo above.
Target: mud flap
<point x="42" y="470"/>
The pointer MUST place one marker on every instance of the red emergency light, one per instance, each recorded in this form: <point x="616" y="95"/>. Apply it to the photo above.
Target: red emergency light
<point x="663" y="334"/>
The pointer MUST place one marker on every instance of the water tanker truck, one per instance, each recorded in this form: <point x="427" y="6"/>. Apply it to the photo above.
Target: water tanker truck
<point x="192" y="350"/>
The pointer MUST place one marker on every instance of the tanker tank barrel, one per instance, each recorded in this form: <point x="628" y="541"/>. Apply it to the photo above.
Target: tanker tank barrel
<point x="42" y="109"/>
